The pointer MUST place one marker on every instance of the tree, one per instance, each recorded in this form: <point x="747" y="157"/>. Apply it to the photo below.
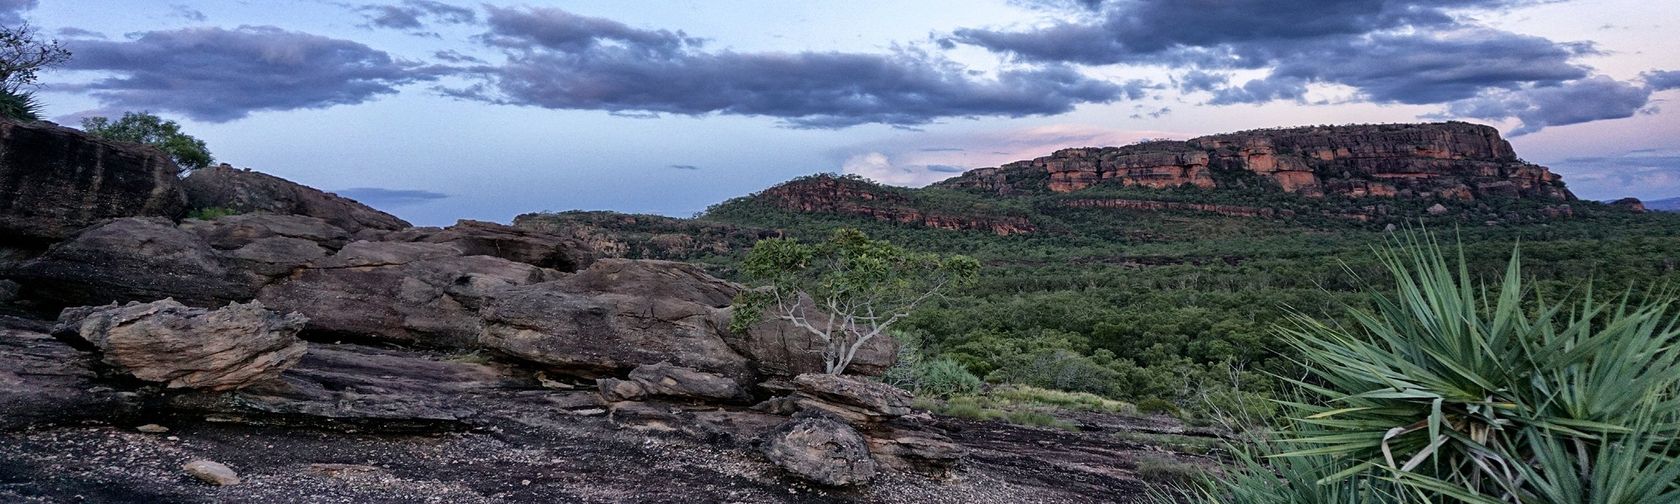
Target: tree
<point x="22" y="57"/>
<point x="144" y="128"/>
<point x="846" y="291"/>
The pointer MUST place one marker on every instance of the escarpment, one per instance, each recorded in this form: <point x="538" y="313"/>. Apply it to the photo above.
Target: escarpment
<point x="1452" y="160"/>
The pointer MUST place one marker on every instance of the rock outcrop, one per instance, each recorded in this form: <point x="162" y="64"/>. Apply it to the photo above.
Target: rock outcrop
<point x="861" y="402"/>
<point x="181" y="347"/>
<point x="55" y="181"/>
<point x="1452" y="160"/>
<point x="821" y="449"/>
<point x="250" y="191"/>
<point x="536" y="248"/>
<point x="666" y="380"/>
<point x="402" y="292"/>
<point x="620" y="313"/>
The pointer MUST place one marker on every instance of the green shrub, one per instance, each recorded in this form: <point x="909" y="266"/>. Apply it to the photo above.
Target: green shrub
<point x="1062" y="399"/>
<point x="1158" y="406"/>
<point x="945" y="378"/>
<point x="20" y="105"/>
<point x="1038" y="419"/>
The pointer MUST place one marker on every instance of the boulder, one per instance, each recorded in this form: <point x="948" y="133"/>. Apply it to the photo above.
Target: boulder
<point x="666" y="380"/>
<point x="527" y="246"/>
<point x="413" y="293"/>
<point x="822" y="450"/>
<point x="210" y="472"/>
<point x="614" y="316"/>
<point x="1437" y="209"/>
<point x="856" y="400"/>
<point x="55" y="181"/>
<point x="131" y="259"/>
<point x="922" y="451"/>
<point x="182" y="347"/>
<point x="249" y="191"/>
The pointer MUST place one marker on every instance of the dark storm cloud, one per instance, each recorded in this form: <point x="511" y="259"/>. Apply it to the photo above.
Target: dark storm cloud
<point x="559" y="60"/>
<point x="684" y="167"/>
<point x="1424" y="68"/>
<point x="1388" y="51"/>
<point x="11" y="11"/>
<point x="382" y="197"/>
<point x="1662" y="80"/>
<point x="1198" y="80"/>
<point x="218" y="75"/>
<point x="1579" y="101"/>
<point x="945" y="168"/>
<point x="1152" y="30"/>
<point x="559" y="30"/>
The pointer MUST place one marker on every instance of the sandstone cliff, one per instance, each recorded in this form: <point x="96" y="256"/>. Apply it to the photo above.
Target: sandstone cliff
<point x="1453" y="160"/>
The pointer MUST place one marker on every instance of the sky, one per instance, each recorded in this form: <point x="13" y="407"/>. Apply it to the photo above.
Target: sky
<point x="437" y="110"/>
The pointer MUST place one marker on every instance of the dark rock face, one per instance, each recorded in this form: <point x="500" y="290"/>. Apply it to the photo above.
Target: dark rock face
<point x="167" y="342"/>
<point x="44" y="381"/>
<point x="131" y="259"/>
<point x="821" y="449"/>
<point x="55" y="181"/>
<point x="616" y="235"/>
<point x="1441" y="160"/>
<point x="657" y="311"/>
<point x="249" y="191"/>
<point x="414" y="293"/>
<point x="527" y="246"/>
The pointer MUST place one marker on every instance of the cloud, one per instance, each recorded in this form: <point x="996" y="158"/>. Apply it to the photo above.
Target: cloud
<point x="11" y="11"/>
<point x="1661" y="80"/>
<point x="187" y="13"/>
<point x="219" y="75"/>
<point x="386" y="198"/>
<point x="684" y="167"/>
<point x="1232" y="30"/>
<point x="413" y="14"/>
<point x="74" y="32"/>
<point x="1578" y="101"/>
<point x="453" y="56"/>
<point x="1644" y="173"/>
<point x="1387" y="51"/>
<point x="560" y="60"/>
<point x="878" y="167"/>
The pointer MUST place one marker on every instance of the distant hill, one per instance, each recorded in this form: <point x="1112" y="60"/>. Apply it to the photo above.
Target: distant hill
<point x="1664" y="205"/>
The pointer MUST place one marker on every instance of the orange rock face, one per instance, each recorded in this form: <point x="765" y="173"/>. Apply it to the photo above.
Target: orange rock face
<point x="1449" y="160"/>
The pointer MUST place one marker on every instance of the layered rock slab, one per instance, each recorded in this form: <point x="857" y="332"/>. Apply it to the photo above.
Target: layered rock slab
<point x="180" y="347"/>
